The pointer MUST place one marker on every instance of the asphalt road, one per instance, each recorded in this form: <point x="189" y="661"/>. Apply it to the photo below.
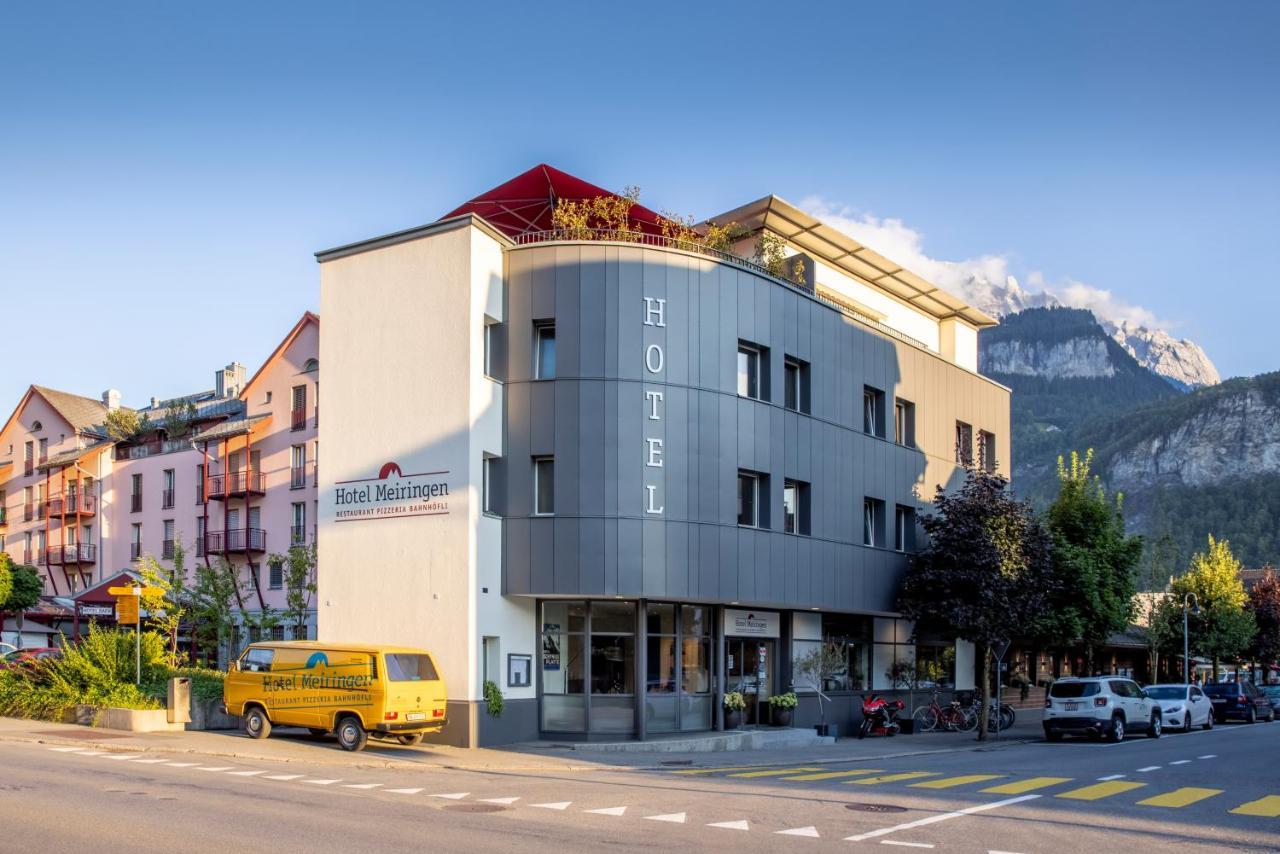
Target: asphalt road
<point x="1212" y="791"/>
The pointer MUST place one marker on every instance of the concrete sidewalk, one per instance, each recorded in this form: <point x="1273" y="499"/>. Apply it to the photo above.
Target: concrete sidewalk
<point x="292" y="745"/>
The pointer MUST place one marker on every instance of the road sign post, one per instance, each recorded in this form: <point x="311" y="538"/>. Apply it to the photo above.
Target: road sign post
<point x="128" y="610"/>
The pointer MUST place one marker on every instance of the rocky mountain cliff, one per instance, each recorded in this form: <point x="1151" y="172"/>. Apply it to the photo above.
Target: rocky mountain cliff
<point x="1179" y="361"/>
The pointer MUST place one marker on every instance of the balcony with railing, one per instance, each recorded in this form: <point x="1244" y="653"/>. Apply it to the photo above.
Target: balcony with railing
<point x="236" y="484"/>
<point x="167" y="549"/>
<point x="28" y="467"/>
<point x="72" y="555"/>
<point x="151" y="448"/>
<point x="237" y="540"/>
<point x="297" y="477"/>
<point x="298" y="535"/>
<point x="166" y="499"/>
<point x="71" y="503"/>
<point x="297" y="419"/>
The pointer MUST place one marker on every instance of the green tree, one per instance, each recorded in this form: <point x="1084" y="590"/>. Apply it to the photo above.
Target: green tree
<point x="299" y="565"/>
<point x="1264" y="603"/>
<point x="1093" y="558"/>
<point x="213" y="606"/>
<point x="1224" y="628"/>
<point x="166" y="598"/>
<point x="23" y="594"/>
<point x="985" y="573"/>
<point x="178" y="419"/>
<point x="6" y="577"/>
<point x="124" y="424"/>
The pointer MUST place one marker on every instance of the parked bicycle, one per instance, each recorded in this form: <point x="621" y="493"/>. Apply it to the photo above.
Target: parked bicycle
<point x="1005" y="717"/>
<point x="952" y="718"/>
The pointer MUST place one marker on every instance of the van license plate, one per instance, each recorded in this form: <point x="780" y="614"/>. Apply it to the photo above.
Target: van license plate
<point x="416" y="716"/>
<point x="1071" y="707"/>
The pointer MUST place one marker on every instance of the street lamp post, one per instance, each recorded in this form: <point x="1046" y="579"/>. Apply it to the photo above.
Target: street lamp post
<point x="1186" y="659"/>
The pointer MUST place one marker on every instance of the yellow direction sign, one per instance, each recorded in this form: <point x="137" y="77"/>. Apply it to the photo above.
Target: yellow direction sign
<point x="134" y="591"/>
<point x="127" y="610"/>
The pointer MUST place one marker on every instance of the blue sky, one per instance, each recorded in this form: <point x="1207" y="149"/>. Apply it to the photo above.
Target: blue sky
<point x="168" y="169"/>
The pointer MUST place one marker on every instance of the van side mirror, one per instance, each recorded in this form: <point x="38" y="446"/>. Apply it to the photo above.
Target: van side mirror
<point x="234" y="666"/>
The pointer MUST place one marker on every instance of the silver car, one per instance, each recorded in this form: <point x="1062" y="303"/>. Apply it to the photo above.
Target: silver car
<point x="1183" y="706"/>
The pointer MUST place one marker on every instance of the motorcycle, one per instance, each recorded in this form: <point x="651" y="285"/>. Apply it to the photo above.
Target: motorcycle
<point x="879" y="716"/>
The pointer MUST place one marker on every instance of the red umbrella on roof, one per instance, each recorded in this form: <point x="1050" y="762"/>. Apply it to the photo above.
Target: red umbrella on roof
<point x="524" y="204"/>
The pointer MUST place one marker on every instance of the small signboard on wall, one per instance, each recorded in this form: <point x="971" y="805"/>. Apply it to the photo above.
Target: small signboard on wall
<point x="519" y="668"/>
<point x="752" y="624"/>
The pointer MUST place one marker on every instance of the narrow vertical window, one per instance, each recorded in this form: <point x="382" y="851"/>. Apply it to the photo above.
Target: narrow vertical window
<point x="200" y="483"/>
<point x="795" y="380"/>
<point x="903" y="528"/>
<point x="873" y="522"/>
<point x="544" y="351"/>
<point x="298" y="530"/>
<point x="987" y="451"/>
<point x="488" y="502"/>
<point x="748" y="499"/>
<point x="904" y="423"/>
<point x="298" y="408"/>
<point x="297" y="466"/>
<point x="167" y="544"/>
<point x="166" y="497"/>
<point x="749" y="384"/>
<point x="544" y="494"/>
<point x="873" y="411"/>
<point x="964" y="443"/>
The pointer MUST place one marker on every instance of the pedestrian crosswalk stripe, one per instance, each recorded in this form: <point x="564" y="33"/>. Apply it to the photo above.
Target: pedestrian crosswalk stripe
<point x="1268" y="807"/>
<point x="891" y="778"/>
<point x="1100" y="790"/>
<point x="692" y="771"/>
<point x="834" y="775"/>
<point x="1180" y="797"/>
<point x="948" y="782"/>
<point x="1017" y="787"/>
<point x="773" y="772"/>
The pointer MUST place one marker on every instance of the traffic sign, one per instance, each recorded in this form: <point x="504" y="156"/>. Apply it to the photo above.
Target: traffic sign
<point x="127" y="610"/>
<point x="125" y="591"/>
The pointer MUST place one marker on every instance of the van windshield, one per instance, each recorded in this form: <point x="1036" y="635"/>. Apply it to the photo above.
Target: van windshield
<point x="407" y="667"/>
<point x="1073" y="690"/>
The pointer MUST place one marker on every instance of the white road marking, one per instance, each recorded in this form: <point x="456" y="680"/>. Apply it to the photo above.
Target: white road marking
<point x="403" y="791"/>
<point x="189" y="765"/>
<point x="673" y="818"/>
<point x="1112" y="777"/>
<point x="1180" y="762"/>
<point x="799" y="831"/>
<point x="1002" y="852"/>
<point x="245" y="773"/>
<point x="215" y="767"/>
<point x="499" y="800"/>
<point x="1208" y="756"/>
<point x="361" y="785"/>
<point x="322" y="782"/>
<point x="282" y="777"/>
<point x="1148" y="768"/>
<point x="123" y="757"/>
<point x="455" y="796"/>
<point x="150" y="761"/>
<point x="65" y="749"/>
<point x="558" y="805"/>
<point x="89" y="752"/>
<point x="731" y="825"/>
<point x="906" y="844"/>
<point x="609" y="811"/>
<point x="934" y="819"/>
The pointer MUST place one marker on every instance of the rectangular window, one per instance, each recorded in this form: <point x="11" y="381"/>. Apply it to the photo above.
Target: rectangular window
<point x="873" y="411"/>
<point x="904" y="423"/>
<point x="166" y="498"/>
<point x="298" y="408"/>
<point x="488" y="503"/>
<point x="750" y="364"/>
<point x="200" y="536"/>
<point x="200" y="483"/>
<point x="297" y="466"/>
<point x="904" y="527"/>
<point x="167" y="545"/>
<point x="795" y="507"/>
<point x="298" y="530"/>
<point x="275" y="575"/>
<point x="748" y="499"/>
<point x="135" y="544"/>
<point x="795" y="381"/>
<point x="964" y="444"/>
<point x="29" y="458"/>
<point x="987" y="451"/>
<point x="491" y="348"/>
<point x="872" y="522"/>
<point x="28" y="504"/>
<point x="135" y="497"/>
<point x="544" y="494"/>
<point x="44" y="450"/>
<point x="544" y="350"/>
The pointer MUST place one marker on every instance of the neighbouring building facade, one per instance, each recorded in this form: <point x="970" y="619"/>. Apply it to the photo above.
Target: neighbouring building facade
<point x="618" y="475"/>
<point x="228" y="473"/>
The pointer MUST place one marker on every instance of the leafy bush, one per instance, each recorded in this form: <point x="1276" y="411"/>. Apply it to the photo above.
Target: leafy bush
<point x="784" y="701"/>
<point x="206" y="684"/>
<point x="734" y="701"/>
<point x="493" y="698"/>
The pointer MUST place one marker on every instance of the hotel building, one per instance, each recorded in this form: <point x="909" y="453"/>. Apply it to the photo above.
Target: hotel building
<point x="228" y="472"/>
<point x="618" y="474"/>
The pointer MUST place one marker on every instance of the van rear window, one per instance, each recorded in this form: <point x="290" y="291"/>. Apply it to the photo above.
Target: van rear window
<point x="407" y="667"/>
<point x="1072" y="690"/>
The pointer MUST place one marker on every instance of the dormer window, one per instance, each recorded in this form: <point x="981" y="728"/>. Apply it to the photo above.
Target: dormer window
<point x="310" y="366"/>
<point x="36" y="426"/>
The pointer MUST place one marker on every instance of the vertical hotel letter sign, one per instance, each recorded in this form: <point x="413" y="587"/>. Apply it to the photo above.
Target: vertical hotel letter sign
<point x="654" y="315"/>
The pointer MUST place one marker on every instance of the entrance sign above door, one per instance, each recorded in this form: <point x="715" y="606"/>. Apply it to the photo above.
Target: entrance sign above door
<point x="753" y="624"/>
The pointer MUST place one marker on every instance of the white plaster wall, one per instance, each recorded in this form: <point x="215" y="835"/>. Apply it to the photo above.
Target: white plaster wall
<point x="897" y="315"/>
<point x="397" y="357"/>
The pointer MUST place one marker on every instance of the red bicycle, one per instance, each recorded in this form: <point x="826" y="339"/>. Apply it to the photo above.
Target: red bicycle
<point x="952" y="718"/>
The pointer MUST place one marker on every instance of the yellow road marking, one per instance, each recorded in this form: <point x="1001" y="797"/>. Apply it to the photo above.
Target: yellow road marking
<point x="713" y="770"/>
<point x="956" y="781"/>
<point x="1180" y="797"/>
<point x="774" y="772"/>
<point x="832" y="775"/>
<point x="891" y="778"/>
<point x="1268" y="807"/>
<point x="1100" y="790"/>
<point x="1030" y="784"/>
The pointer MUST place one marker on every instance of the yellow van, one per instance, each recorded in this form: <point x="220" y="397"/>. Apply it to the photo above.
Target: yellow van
<point x="352" y="690"/>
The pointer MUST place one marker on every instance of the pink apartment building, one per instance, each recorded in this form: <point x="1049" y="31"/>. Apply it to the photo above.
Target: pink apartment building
<point x="239" y="482"/>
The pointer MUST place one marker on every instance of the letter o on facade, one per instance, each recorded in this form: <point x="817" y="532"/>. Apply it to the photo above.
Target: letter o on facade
<point x="653" y="359"/>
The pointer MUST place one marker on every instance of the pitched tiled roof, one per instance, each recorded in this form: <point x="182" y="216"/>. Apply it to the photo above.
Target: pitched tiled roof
<point x="66" y="458"/>
<point x="83" y="413"/>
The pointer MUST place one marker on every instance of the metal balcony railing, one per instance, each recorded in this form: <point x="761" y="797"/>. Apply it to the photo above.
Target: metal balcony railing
<point x="236" y="483"/>
<point x="298" y="535"/>
<point x="135" y="502"/>
<point x="167" y="549"/>
<point x="297" y="419"/>
<point x="166" y="499"/>
<point x="63" y="555"/>
<point x="70" y="503"/>
<point x="297" y="477"/>
<point x="236" y="540"/>
<point x="135" y="551"/>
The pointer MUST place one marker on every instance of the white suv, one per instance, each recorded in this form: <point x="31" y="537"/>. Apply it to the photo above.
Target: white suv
<point x="1099" y="705"/>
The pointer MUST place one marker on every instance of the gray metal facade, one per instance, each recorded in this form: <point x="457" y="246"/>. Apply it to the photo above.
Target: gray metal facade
<point x="594" y="418"/>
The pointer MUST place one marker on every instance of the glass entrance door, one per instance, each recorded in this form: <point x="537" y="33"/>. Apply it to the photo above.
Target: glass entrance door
<point x="749" y="669"/>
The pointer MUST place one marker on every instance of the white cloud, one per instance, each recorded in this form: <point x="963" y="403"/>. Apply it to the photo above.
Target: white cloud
<point x="983" y="280"/>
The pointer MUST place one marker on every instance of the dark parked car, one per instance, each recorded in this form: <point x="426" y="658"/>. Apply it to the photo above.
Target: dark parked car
<point x="1239" y="700"/>
<point x="1272" y="693"/>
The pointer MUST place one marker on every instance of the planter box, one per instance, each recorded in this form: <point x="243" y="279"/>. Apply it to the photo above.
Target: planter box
<point x="129" y="720"/>
<point x="208" y="714"/>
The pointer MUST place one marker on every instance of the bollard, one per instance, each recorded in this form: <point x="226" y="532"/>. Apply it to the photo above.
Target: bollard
<point x="179" y="700"/>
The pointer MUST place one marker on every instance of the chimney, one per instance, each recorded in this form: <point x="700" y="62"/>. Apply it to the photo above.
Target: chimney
<point x="111" y="399"/>
<point x="155" y="403"/>
<point x="230" y="380"/>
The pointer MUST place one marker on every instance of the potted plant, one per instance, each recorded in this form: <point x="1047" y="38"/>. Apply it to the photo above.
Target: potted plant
<point x="819" y="665"/>
<point x="781" y="706"/>
<point x="734" y="705"/>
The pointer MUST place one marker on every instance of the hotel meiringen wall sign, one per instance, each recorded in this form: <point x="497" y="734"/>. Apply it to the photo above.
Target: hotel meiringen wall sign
<point x="392" y="495"/>
<point x="751" y="624"/>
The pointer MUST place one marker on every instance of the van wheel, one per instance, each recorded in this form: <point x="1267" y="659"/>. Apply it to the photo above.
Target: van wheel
<point x="255" y="723"/>
<point x="415" y="738"/>
<point x="351" y="735"/>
